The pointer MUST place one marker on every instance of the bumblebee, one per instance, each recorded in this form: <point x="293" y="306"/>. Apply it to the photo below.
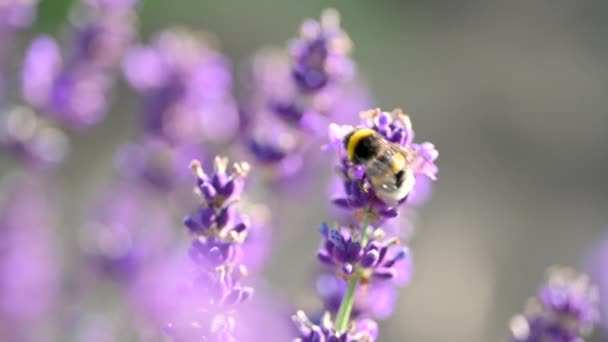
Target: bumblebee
<point x="388" y="166"/>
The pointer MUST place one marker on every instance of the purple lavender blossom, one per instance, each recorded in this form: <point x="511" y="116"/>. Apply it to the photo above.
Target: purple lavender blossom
<point x="381" y="258"/>
<point x="74" y="87"/>
<point x="223" y="233"/>
<point x="358" y="193"/>
<point x="31" y="138"/>
<point x="364" y="330"/>
<point x="321" y="53"/>
<point x="29" y="283"/>
<point x="218" y="231"/>
<point x="292" y="96"/>
<point x="186" y="85"/>
<point x="564" y="310"/>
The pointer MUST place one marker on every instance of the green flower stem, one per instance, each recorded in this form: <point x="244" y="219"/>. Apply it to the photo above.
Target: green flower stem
<point x="346" y="307"/>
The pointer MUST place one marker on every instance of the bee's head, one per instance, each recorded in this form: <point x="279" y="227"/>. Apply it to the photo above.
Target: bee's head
<point x="361" y="145"/>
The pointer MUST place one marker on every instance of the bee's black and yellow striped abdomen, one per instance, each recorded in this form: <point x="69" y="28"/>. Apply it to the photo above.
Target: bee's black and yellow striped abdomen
<point x="361" y="144"/>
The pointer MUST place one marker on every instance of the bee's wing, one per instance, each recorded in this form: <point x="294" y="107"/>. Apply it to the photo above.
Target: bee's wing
<point x="408" y="153"/>
<point x="395" y="163"/>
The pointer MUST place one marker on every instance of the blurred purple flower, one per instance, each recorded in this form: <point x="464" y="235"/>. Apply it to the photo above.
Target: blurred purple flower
<point x="215" y="294"/>
<point x="178" y="294"/>
<point x="321" y="53"/>
<point x="155" y="163"/>
<point x="17" y="14"/>
<point x="29" y="273"/>
<point x="363" y="330"/>
<point x="74" y="87"/>
<point x="291" y="97"/>
<point x="32" y="139"/>
<point x="186" y="88"/>
<point x="127" y="232"/>
<point x="564" y="310"/>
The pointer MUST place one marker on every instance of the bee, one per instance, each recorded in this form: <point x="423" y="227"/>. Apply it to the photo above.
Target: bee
<point x="388" y="166"/>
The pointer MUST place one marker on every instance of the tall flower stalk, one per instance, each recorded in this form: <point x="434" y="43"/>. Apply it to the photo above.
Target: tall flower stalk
<point x="360" y="251"/>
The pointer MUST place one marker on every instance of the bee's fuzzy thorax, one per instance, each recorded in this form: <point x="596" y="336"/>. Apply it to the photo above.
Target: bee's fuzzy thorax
<point x="354" y="138"/>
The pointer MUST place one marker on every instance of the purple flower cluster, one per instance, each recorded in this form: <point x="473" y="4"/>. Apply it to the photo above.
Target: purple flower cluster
<point x="363" y="330"/>
<point x="219" y="232"/>
<point x="564" y="310"/>
<point x="218" y="227"/>
<point x="292" y="96"/>
<point x="321" y="53"/>
<point x="186" y="86"/>
<point x="381" y="258"/>
<point x="73" y="88"/>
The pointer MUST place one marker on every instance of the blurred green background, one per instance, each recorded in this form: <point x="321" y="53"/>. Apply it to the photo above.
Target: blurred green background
<point x="513" y="94"/>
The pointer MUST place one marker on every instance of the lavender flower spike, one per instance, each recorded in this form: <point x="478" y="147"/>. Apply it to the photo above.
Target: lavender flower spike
<point x="564" y="310"/>
<point x="219" y="230"/>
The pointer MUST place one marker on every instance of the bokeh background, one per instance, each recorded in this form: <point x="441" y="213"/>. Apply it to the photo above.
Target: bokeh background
<point x="513" y="94"/>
